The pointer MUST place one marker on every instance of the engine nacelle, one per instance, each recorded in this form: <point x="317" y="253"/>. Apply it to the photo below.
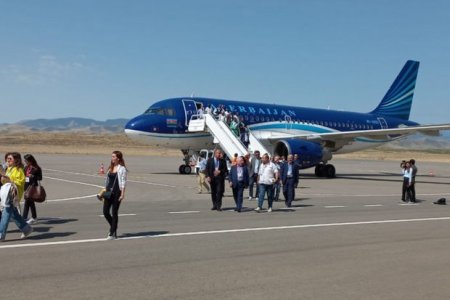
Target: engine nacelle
<point x="309" y="153"/>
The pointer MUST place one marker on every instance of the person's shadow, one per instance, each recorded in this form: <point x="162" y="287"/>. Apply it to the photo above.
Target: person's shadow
<point x="143" y="234"/>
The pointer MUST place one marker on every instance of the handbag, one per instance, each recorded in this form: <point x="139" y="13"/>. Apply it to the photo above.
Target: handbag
<point x="35" y="193"/>
<point x="106" y="193"/>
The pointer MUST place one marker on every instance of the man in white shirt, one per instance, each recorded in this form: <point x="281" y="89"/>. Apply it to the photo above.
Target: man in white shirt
<point x="267" y="176"/>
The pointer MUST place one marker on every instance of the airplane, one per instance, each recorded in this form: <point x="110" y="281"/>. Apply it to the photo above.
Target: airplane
<point x="314" y="134"/>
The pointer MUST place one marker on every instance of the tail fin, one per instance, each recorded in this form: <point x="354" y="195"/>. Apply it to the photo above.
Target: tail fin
<point x="398" y="99"/>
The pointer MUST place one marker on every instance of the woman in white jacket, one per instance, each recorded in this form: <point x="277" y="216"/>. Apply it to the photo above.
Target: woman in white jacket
<point x="116" y="180"/>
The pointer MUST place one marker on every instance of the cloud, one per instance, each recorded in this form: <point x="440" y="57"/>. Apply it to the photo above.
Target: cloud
<point x="47" y="69"/>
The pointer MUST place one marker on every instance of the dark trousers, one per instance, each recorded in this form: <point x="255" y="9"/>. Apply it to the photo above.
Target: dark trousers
<point x="238" y="195"/>
<point x="406" y="190"/>
<point x="412" y="188"/>
<point x="217" y="189"/>
<point x="252" y="182"/>
<point x="113" y="219"/>
<point x="29" y="204"/>
<point x="289" y="191"/>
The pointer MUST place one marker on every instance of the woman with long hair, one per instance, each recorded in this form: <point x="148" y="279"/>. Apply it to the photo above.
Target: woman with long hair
<point x="33" y="174"/>
<point x="15" y="176"/>
<point x="116" y="180"/>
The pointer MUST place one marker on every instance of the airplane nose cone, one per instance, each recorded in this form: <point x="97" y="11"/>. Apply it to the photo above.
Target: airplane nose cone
<point x="138" y="123"/>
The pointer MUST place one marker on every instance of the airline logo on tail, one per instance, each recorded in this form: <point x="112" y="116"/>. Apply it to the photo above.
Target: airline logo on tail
<point x="398" y="99"/>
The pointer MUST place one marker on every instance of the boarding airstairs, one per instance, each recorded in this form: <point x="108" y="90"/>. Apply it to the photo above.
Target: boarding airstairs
<point x="223" y="136"/>
<point x="255" y="144"/>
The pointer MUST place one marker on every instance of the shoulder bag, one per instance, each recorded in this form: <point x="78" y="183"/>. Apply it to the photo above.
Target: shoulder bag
<point x="35" y="193"/>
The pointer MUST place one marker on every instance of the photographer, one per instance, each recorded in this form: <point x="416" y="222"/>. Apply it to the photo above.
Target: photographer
<point x="407" y="182"/>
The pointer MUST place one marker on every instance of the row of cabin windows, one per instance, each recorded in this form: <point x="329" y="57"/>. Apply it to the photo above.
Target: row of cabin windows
<point x="321" y="123"/>
<point x="170" y="112"/>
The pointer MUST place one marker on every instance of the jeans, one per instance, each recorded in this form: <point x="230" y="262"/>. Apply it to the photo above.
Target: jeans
<point x="263" y="189"/>
<point x="11" y="212"/>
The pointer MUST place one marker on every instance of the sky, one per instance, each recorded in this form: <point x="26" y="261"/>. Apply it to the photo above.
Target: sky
<point x="112" y="59"/>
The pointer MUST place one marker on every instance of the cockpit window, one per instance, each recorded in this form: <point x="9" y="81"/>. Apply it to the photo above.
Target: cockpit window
<point x="168" y="111"/>
<point x="154" y="111"/>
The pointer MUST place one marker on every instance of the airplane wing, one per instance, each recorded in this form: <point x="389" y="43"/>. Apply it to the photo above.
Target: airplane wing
<point x="339" y="136"/>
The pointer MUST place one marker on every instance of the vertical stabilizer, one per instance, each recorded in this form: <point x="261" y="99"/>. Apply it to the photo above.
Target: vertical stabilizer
<point x="398" y="99"/>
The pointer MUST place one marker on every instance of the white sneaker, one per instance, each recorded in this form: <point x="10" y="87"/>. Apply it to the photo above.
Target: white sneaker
<point x="32" y="221"/>
<point x="27" y="232"/>
<point x="250" y="198"/>
<point x="270" y="209"/>
<point x="258" y="209"/>
<point x="110" y="238"/>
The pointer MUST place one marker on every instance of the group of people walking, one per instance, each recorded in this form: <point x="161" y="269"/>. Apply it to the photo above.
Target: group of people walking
<point x="269" y="176"/>
<point x="232" y="119"/>
<point x="16" y="178"/>
<point x="247" y="172"/>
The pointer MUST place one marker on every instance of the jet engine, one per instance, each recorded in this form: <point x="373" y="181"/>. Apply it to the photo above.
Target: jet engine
<point x="310" y="154"/>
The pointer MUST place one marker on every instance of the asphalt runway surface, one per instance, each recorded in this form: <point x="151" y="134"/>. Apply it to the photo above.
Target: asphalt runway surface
<point x="345" y="238"/>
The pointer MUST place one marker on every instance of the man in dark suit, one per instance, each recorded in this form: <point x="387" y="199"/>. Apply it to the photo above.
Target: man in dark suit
<point x="216" y="172"/>
<point x="239" y="180"/>
<point x="289" y="179"/>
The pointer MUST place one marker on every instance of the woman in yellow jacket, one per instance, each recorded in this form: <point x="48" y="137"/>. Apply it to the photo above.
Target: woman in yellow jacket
<point x="15" y="175"/>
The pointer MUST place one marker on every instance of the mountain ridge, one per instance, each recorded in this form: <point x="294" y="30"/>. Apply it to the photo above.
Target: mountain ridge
<point x="66" y="125"/>
<point x="111" y="126"/>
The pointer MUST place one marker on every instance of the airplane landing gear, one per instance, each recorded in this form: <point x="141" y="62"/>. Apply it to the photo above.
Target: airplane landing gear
<point x="185" y="169"/>
<point x="324" y="170"/>
<point x="191" y="159"/>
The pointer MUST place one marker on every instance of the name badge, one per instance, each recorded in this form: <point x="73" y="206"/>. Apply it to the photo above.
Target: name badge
<point x="27" y="179"/>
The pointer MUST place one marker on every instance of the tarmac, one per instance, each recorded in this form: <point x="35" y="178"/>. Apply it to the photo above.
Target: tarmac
<point x="345" y="238"/>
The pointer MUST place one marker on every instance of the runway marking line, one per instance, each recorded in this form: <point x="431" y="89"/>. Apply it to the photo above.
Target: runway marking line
<point x="335" y="206"/>
<point x="373" y="205"/>
<point x="228" y="231"/>
<point x="121" y="215"/>
<point x="184" y="212"/>
<point x="73" y="198"/>
<point x="98" y="176"/>
<point x="77" y="182"/>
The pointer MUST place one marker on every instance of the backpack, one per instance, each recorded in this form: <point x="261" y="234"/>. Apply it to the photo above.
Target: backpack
<point x="441" y="201"/>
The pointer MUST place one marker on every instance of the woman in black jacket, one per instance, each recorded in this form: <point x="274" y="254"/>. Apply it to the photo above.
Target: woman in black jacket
<point x="33" y="174"/>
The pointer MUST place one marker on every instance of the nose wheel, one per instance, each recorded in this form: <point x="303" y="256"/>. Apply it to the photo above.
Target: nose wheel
<point x="324" y="170"/>
<point x="185" y="169"/>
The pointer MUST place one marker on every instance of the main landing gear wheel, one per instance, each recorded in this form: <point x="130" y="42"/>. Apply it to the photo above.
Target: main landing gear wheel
<point x="328" y="171"/>
<point x="185" y="169"/>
